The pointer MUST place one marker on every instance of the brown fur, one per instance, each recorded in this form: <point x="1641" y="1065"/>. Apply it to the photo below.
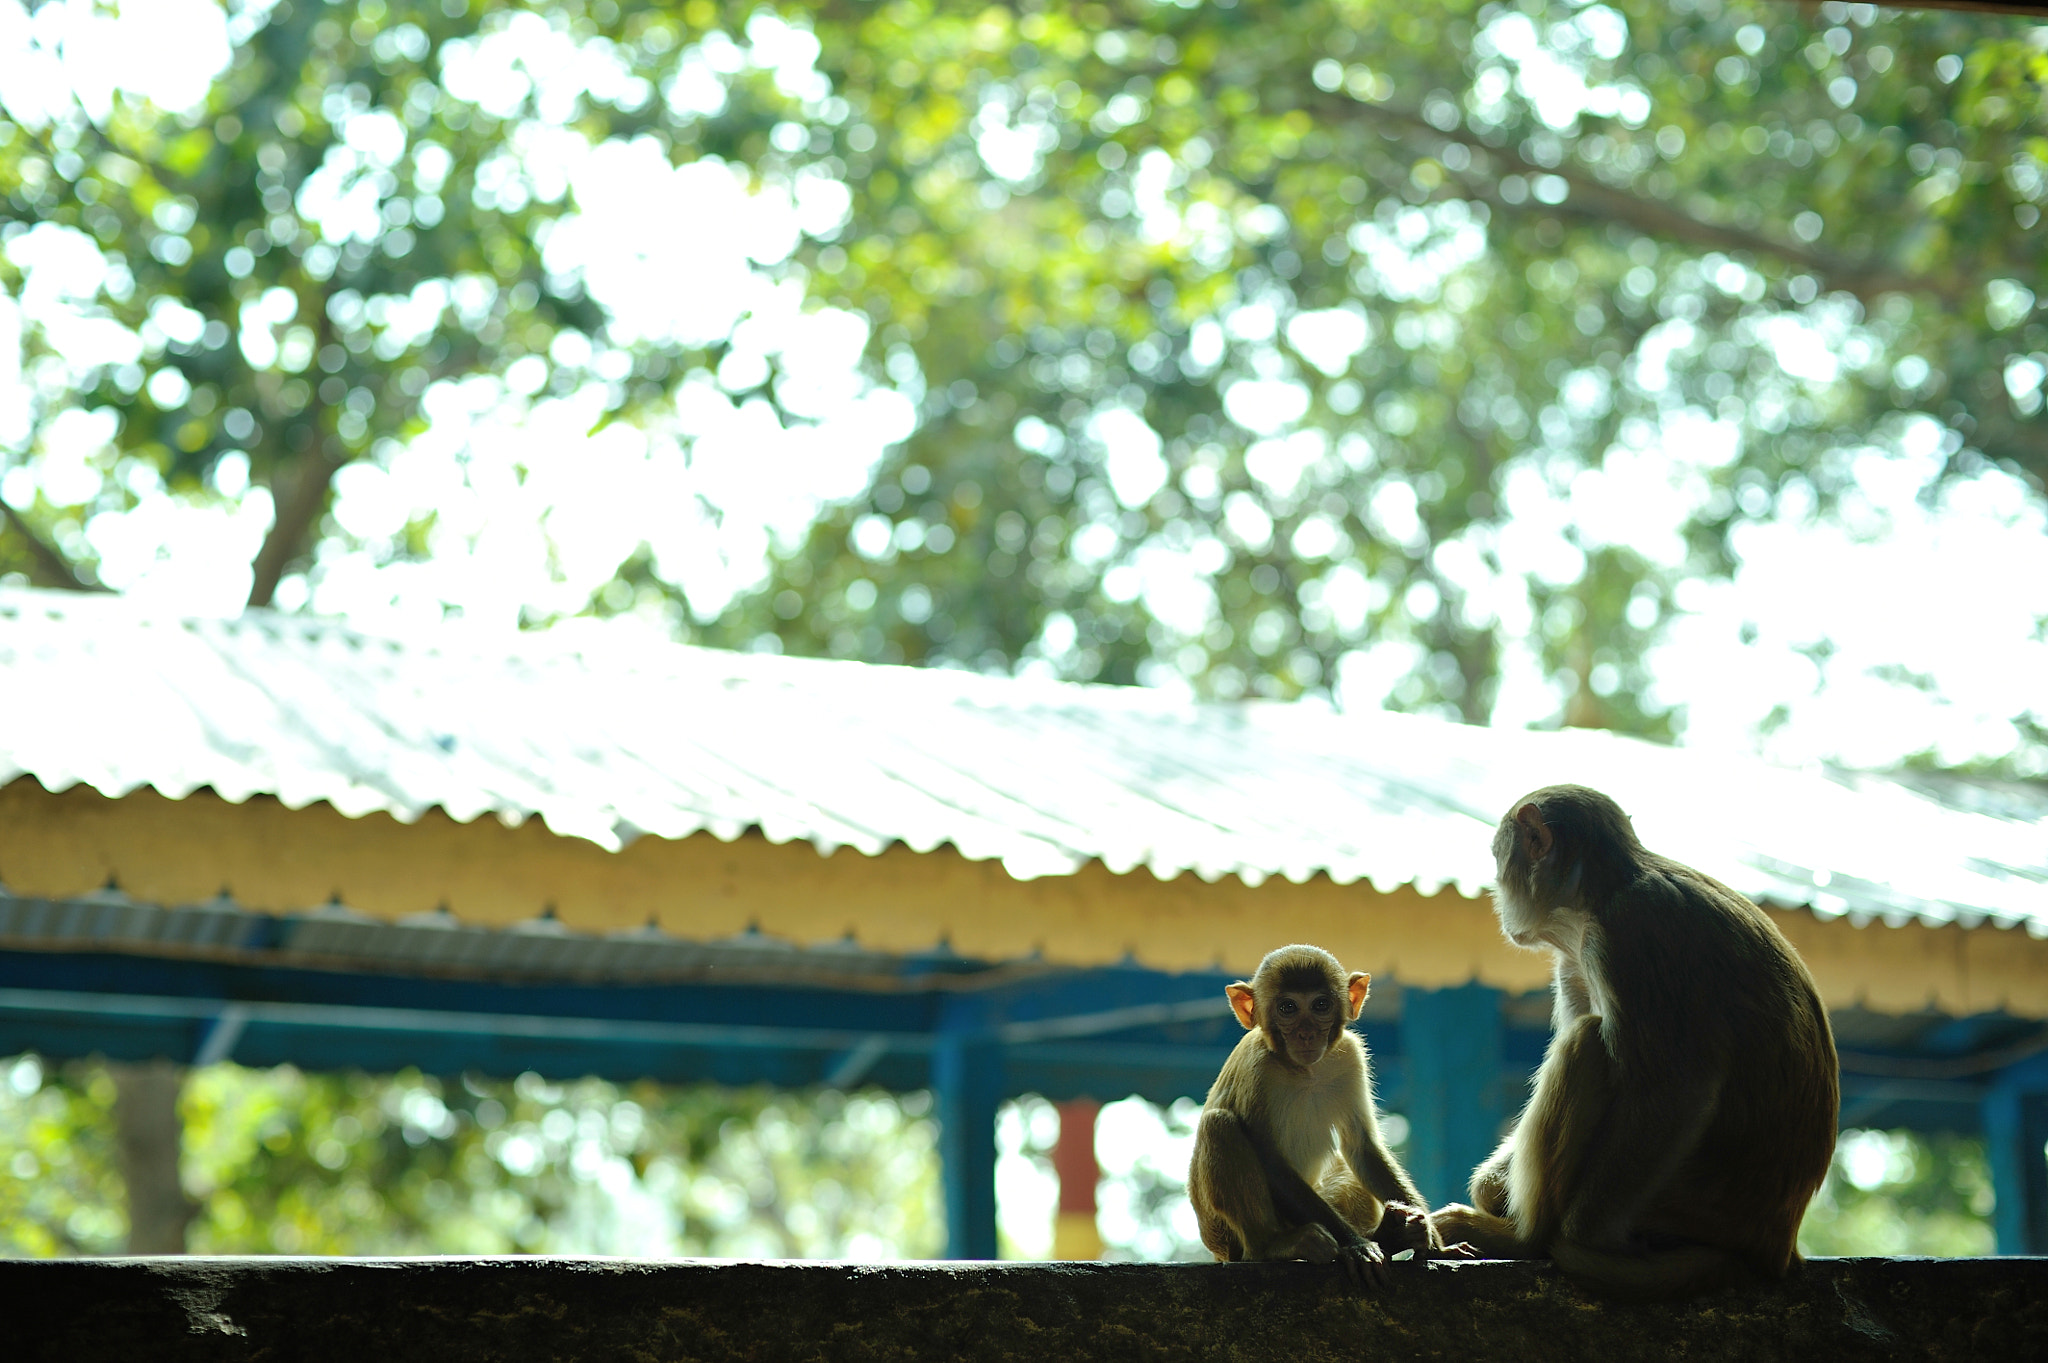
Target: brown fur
<point x="1288" y="1160"/>
<point x="1684" y="1114"/>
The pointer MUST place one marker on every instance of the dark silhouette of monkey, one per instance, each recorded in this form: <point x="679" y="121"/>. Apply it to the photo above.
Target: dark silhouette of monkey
<point x="1288" y="1161"/>
<point x="1685" y="1112"/>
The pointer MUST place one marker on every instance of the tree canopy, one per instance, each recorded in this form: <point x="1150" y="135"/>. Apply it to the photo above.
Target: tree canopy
<point x="281" y="1162"/>
<point x="1256" y="346"/>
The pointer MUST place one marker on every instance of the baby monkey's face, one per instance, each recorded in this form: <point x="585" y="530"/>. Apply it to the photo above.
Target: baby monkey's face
<point x="1304" y="1022"/>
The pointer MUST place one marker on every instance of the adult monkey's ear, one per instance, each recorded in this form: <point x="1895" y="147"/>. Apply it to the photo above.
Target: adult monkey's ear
<point x="1243" y="1002"/>
<point x="1535" y="835"/>
<point x="1361" y="987"/>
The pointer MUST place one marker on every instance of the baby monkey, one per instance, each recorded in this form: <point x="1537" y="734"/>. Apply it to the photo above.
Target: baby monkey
<point x="1288" y="1160"/>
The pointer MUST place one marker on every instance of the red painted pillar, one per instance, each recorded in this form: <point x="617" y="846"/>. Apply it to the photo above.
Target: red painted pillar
<point x="1074" y="1235"/>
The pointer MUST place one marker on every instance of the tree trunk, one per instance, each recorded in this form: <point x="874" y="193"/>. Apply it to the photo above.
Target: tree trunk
<point x="299" y="495"/>
<point x="150" y="1134"/>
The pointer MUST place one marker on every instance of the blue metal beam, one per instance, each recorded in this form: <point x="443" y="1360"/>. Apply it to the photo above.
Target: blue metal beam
<point x="746" y="1005"/>
<point x="1056" y="998"/>
<point x="1950" y="1106"/>
<point x="1060" y="1034"/>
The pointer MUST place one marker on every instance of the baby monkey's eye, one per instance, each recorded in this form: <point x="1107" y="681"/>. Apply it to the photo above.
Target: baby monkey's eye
<point x="1287" y="1005"/>
<point x="1323" y="1005"/>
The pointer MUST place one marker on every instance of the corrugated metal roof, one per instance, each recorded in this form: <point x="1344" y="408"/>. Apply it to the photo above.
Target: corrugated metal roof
<point x="608" y="740"/>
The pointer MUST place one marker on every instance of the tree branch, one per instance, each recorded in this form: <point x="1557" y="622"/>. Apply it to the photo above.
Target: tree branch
<point x="2025" y="443"/>
<point x="51" y="568"/>
<point x="1998" y="436"/>
<point x="298" y="500"/>
<point x="1594" y="199"/>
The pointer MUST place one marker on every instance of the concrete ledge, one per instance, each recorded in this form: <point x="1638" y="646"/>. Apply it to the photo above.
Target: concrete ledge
<point x="614" y="1310"/>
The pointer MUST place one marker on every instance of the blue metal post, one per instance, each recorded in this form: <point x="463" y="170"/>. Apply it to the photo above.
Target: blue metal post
<point x="1452" y="1042"/>
<point x="967" y="1080"/>
<point x="2016" y="1144"/>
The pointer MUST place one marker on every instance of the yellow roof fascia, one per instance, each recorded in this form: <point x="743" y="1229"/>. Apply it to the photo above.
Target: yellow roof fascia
<point x="271" y="858"/>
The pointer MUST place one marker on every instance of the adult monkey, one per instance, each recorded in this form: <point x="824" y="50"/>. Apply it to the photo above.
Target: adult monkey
<point x="1288" y="1160"/>
<point x="1685" y="1112"/>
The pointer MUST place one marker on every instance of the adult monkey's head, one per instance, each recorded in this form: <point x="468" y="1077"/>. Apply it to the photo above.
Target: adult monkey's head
<point x="1549" y="848"/>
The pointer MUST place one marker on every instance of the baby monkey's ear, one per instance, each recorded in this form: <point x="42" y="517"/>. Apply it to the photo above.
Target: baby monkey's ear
<point x="1243" y="1002"/>
<point x="1361" y="986"/>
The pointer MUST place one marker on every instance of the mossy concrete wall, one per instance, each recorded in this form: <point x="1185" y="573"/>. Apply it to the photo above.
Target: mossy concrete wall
<point x="626" y="1311"/>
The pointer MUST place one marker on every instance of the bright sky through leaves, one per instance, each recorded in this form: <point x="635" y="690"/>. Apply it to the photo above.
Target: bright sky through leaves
<point x="1903" y="617"/>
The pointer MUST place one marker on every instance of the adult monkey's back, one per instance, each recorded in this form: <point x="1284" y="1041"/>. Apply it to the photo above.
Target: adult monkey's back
<point x="1685" y="1112"/>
